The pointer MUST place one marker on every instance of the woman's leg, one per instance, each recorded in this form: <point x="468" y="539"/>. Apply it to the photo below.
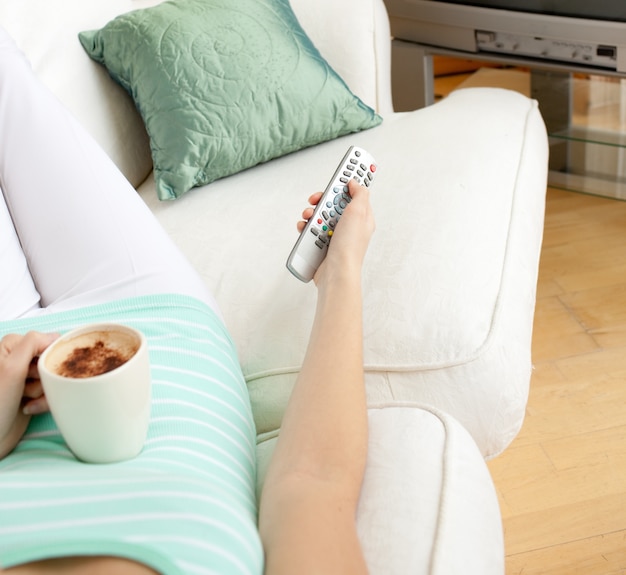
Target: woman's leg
<point x="86" y="234"/>
<point x="18" y="295"/>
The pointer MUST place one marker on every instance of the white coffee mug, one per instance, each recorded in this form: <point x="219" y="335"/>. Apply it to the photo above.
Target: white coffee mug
<point x="103" y="418"/>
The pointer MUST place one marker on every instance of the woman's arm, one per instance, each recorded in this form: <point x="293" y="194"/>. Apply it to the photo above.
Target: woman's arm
<point x="310" y="495"/>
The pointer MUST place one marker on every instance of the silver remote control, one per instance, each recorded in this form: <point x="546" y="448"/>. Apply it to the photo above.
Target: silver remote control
<point x="312" y="245"/>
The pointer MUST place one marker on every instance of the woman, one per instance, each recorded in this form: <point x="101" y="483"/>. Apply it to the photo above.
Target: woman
<point x="77" y="244"/>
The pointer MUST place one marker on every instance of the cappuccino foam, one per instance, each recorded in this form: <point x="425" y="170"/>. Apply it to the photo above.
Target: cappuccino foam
<point x="92" y="353"/>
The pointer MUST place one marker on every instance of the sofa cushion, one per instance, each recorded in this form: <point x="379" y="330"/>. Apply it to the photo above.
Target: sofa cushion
<point x="223" y="87"/>
<point x="449" y="279"/>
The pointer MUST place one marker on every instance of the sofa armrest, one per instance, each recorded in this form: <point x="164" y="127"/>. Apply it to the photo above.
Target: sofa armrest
<point x="428" y="504"/>
<point x="355" y="38"/>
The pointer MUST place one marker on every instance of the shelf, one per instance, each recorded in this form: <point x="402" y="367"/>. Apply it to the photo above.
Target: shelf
<point x="589" y="154"/>
<point x="605" y="187"/>
<point x="592" y="136"/>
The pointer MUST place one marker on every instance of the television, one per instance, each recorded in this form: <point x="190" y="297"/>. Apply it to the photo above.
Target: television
<point x="587" y="34"/>
<point x="598" y="10"/>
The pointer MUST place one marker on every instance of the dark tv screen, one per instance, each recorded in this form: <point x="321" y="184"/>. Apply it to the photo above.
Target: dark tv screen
<point x="593" y="9"/>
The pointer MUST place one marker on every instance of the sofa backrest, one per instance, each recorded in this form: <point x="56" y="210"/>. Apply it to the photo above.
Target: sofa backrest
<point x="353" y="35"/>
<point x="355" y="39"/>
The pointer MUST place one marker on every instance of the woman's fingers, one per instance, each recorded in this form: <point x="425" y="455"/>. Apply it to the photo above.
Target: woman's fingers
<point x="315" y="198"/>
<point x="33" y="389"/>
<point x="308" y="212"/>
<point x="36" y="406"/>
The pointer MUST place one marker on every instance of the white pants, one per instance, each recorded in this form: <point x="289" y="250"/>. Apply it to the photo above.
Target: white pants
<point x="73" y="231"/>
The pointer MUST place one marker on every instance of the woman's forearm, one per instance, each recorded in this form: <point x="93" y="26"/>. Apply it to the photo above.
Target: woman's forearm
<point x="324" y="431"/>
<point x="308" y="506"/>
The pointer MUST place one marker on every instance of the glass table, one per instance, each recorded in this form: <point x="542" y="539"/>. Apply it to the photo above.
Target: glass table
<point x="584" y="112"/>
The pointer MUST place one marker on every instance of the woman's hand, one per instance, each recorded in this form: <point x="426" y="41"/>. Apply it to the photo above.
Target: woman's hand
<point x="351" y="236"/>
<point x="21" y="393"/>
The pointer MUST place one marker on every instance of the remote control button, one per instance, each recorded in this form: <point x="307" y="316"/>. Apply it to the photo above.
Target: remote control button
<point x="353" y="161"/>
<point x="347" y="173"/>
<point x="320" y="221"/>
<point x="315" y="231"/>
<point x="344" y="180"/>
<point x="330" y="233"/>
<point x="337" y="189"/>
<point x="370" y="175"/>
<point x="329" y="204"/>
<point x="357" y="153"/>
<point x="320" y="245"/>
<point x="360" y="173"/>
<point x="367" y="183"/>
<point x="373" y="168"/>
<point x="325" y="215"/>
<point x="341" y="205"/>
<point x="363" y="167"/>
<point x="350" y="167"/>
<point x="332" y="224"/>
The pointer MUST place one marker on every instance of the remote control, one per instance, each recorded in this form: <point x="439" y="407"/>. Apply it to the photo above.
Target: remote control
<point x="312" y="245"/>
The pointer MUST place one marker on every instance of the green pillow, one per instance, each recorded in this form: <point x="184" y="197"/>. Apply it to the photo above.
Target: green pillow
<point x="223" y="85"/>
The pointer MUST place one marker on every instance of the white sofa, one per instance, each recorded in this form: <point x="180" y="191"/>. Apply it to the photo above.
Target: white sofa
<point x="449" y="279"/>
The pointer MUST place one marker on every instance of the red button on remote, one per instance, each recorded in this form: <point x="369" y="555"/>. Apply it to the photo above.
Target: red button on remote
<point x="373" y="168"/>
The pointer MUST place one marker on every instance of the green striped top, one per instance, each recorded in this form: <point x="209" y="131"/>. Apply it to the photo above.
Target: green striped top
<point x="186" y="504"/>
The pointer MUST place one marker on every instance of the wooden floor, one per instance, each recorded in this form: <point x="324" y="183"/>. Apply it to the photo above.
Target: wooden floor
<point x="562" y="482"/>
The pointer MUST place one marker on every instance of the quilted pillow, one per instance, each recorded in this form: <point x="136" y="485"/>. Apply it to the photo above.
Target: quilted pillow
<point x="224" y="85"/>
